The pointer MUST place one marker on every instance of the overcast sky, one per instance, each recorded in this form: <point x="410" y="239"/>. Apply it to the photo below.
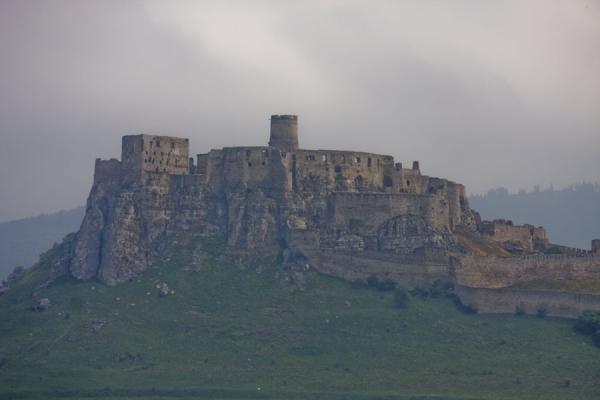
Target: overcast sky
<point x="486" y="93"/>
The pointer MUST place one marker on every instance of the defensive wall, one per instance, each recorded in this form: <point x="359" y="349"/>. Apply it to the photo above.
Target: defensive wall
<point x="540" y="302"/>
<point x="524" y="237"/>
<point x="283" y="166"/>
<point x="501" y="272"/>
<point x="359" y="214"/>
<point x="408" y="270"/>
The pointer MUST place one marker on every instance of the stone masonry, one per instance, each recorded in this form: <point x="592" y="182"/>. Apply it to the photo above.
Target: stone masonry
<point x="337" y="207"/>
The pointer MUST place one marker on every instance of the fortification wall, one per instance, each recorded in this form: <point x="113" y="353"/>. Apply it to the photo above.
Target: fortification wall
<point x="500" y="272"/>
<point x="518" y="237"/>
<point x="406" y="180"/>
<point x="456" y="197"/>
<point x="107" y="172"/>
<point x="235" y="169"/>
<point x="408" y="271"/>
<point x="326" y="170"/>
<point x="508" y="301"/>
<point x="373" y="209"/>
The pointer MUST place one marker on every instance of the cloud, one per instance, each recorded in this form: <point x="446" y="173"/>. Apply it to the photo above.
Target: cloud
<point x="484" y="93"/>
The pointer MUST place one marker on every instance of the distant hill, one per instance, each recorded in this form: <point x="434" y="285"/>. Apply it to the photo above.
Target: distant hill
<point x="23" y="240"/>
<point x="571" y="216"/>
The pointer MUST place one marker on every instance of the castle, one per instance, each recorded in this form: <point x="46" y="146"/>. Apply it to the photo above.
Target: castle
<point x="350" y="214"/>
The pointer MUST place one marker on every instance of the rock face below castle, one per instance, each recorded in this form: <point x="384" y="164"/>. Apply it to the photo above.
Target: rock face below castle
<point x="353" y="214"/>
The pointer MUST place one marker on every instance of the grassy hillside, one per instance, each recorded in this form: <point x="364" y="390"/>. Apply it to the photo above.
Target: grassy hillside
<point x="22" y="241"/>
<point x="246" y="332"/>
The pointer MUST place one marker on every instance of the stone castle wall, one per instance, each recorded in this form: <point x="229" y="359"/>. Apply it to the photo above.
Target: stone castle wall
<point x="500" y="272"/>
<point x="520" y="237"/>
<point x="353" y="214"/>
<point x="540" y="302"/>
<point x="255" y="196"/>
<point x="162" y="154"/>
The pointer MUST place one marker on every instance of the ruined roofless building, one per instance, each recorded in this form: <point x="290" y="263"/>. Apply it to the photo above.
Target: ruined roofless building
<point x="349" y="214"/>
<point x="261" y="199"/>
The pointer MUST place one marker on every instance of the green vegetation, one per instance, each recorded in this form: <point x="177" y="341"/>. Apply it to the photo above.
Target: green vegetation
<point x="589" y="324"/>
<point x="401" y="298"/>
<point x="232" y="331"/>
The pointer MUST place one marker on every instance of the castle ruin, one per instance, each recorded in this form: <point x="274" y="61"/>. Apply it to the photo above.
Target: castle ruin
<point x="351" y="214"/>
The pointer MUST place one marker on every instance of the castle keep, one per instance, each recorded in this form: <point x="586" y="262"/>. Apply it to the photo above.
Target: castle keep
<point x="350" y="214"/>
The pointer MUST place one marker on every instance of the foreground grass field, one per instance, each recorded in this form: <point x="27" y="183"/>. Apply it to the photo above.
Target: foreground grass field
<point x="245" y="332"/>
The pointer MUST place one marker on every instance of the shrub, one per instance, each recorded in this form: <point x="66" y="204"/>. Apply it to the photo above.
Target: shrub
<point x="372" y="281"/>
<point x="437" y="289"/>
<point x="465" y="308"/>
<point x="519" y="310"/>
<point x="588" y="323"/>
<point x="385" y="285"/>
<point x="596" y="339"/>
<point x="401" y="298"/>
<point x="541" y="312"/>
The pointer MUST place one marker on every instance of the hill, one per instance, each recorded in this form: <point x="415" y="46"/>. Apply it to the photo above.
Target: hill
<point x="571" y="216"/>
<point x="202" y="324"/>
<point x="22" y="241"/>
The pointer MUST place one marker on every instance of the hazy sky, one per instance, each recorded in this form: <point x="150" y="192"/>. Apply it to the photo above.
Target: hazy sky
<point x="486" y="93"/>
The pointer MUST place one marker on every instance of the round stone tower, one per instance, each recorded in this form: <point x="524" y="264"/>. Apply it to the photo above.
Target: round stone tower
<point x="284" y="132"/>
<point x="596" y="246"/>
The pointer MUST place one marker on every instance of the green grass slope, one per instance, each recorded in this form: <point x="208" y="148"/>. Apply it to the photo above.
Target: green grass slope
<point x="242" y="332"/>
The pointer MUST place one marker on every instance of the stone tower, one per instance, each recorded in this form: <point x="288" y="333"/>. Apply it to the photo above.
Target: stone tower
<point x="284" y="132"/>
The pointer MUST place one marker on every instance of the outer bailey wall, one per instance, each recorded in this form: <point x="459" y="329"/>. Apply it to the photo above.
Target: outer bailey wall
<point x="407" y="271"/>
<point x="512" y="233"/>
<point x="507" y="301"/>
<point x="374" y="208"/>
<point x="498" y="272"/>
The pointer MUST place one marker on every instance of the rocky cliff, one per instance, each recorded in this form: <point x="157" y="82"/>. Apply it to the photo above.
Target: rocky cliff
<point x="349" y="214"/>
